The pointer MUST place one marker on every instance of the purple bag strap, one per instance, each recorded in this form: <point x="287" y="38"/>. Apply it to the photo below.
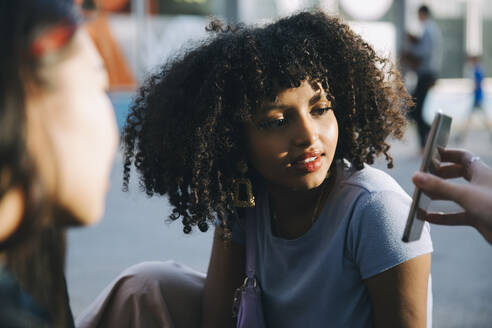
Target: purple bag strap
<point x="250" y="243"/>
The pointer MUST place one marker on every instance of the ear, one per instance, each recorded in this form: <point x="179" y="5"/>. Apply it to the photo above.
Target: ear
<point x="11" y="212"/>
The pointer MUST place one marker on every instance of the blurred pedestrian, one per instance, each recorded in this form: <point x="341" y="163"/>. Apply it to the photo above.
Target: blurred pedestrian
<point x="57" y="140"/>
<point x="425" y="55"/>
<point x="477" y="105"/>
<point x="474" y="197"/>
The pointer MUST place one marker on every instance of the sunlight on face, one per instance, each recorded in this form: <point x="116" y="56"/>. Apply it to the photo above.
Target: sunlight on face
<point x="292" y="141"/>
<point x="76" y="120"/>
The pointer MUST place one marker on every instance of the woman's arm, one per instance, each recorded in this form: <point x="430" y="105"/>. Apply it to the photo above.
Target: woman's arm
<point x="399" y="295"/>
<point x="225" y="274"/>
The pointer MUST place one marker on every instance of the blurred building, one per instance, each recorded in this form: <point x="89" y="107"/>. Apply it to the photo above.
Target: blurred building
<point x="149" y="32"/>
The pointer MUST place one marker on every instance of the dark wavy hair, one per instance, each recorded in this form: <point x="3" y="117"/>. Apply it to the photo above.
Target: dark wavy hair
<point x="35" y="252"/>
<point x="185" y="132"/>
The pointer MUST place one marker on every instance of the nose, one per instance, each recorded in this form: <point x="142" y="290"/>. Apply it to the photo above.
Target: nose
<point x="306" y="132"/>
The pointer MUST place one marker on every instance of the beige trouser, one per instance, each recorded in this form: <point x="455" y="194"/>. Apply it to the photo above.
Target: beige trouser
<point x="149" y="294"/>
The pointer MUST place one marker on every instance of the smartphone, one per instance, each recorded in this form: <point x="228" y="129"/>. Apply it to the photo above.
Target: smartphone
<point x="438" y="137"/>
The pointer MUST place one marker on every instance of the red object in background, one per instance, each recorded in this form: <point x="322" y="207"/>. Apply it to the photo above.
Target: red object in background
<point x="112" y="5"/>
<point x="106" y="5"/>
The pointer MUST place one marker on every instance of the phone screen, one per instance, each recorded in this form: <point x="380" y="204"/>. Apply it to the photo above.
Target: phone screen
<point x="438" y="137"/>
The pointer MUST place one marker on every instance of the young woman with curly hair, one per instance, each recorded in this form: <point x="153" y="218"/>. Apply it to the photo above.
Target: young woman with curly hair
<point x="298" y="107"/>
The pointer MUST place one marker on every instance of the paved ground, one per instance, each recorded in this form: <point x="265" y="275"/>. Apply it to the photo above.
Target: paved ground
<point x="134" y="229"/>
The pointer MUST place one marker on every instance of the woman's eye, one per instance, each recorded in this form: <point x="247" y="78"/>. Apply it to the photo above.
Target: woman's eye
<point x="273" y="124"/>
<point x="320" y="111"/>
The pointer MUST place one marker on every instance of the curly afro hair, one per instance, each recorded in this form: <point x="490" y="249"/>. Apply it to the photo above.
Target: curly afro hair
<point x="185" y="130"/>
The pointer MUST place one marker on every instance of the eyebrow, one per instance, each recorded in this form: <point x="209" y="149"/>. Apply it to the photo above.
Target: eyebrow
<point x="314" y="99"/>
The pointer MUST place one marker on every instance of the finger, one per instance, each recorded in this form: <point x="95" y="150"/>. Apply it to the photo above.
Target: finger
<point x="449" y="171"/>
<point x="437" y="188"/>
<point x="447" y="218"/>
<point x="459" y="156"/>
<point x="421" y="214"/>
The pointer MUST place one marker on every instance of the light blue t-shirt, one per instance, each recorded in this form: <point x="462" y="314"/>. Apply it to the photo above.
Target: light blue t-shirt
<point x="317" y="280"/>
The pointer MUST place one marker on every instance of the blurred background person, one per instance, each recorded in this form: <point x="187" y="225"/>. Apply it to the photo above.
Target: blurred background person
<point x="475" y="197"/>
<point x="477" y="106"/>
<point x="423" y="55"/>
<point x="57" y="141"/>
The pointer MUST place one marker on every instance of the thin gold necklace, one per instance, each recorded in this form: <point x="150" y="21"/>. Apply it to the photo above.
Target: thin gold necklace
<point x="314" y="216"/>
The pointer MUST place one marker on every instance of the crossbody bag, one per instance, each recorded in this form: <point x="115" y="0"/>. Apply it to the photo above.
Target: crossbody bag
<point x="247" y="298"/>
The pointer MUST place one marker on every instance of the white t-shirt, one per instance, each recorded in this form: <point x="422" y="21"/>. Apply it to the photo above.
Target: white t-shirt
<point x="317" y="280"/>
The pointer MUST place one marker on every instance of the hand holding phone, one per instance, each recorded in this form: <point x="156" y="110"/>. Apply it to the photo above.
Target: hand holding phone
<point x="438" y="137"/>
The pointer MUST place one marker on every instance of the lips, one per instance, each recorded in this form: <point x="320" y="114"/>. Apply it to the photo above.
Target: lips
<point x="308" y="162"/>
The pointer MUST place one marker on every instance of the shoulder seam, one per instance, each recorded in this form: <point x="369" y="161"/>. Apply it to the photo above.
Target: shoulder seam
<point x="367" y="190"/>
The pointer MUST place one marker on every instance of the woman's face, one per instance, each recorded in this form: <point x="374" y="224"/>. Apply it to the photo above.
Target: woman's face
<point x="72" y="132"/>
<point x="291" y="141"/>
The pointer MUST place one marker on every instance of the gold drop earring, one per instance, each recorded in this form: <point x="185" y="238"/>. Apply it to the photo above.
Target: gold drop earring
<point x="243" y="190"/>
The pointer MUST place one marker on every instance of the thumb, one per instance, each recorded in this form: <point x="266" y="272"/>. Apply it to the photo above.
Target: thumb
<point x="437" y="188"/>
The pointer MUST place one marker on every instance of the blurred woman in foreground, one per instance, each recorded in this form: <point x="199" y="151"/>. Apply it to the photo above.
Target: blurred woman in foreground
<point x="57" y="140"/>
